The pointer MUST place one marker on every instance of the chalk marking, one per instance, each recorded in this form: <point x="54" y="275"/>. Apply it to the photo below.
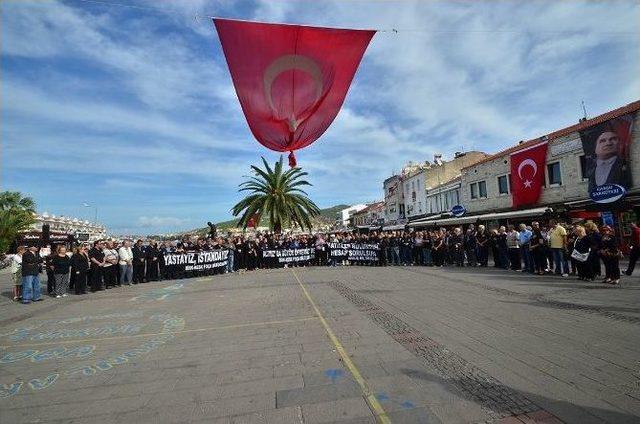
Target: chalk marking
<point x="375" y="406"/>
<point x="194" y="330"/>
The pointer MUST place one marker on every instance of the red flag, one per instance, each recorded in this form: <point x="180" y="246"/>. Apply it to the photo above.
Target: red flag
<point x="291" y="80"/>
<point x="527" y="174"/>
<point x="253" y="221"/>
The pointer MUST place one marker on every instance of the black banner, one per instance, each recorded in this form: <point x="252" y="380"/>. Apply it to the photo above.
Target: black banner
<point x="360" y="252"/>
<point x="196" y="261"/>
<point x="288" y="256"/>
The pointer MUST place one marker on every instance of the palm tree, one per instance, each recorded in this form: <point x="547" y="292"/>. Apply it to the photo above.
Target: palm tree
<point x="16" y="215"/>
<point x="276" y="196"/>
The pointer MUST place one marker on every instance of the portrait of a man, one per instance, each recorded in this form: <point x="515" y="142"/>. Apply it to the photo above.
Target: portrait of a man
<point x="606" y="146"/>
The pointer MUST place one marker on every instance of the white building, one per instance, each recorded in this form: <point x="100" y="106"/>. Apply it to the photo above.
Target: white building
<point x="345" y="214"/>
<point x="393" y="201"/>
<point x="81" y="229"/>
<point x="415" y="199"/>
<point x="442" y="198"/>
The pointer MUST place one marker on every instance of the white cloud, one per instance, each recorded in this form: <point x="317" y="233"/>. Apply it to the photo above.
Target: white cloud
<point x="153" y="101"/>
<point x="161" y="221"/>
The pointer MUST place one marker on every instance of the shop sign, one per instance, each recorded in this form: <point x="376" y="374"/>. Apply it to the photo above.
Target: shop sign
<point x="458" y="210"/>
<point x="607" y="193"/>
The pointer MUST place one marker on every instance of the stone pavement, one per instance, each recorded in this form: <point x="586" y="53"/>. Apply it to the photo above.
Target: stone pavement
<point x="320" y="345"/>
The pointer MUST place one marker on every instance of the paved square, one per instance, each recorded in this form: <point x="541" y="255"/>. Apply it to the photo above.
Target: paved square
<point x="320" y="345"/>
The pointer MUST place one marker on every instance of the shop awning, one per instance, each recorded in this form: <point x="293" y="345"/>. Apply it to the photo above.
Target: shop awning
<point x="485" y="217"/>
<point x="394" y="227"/>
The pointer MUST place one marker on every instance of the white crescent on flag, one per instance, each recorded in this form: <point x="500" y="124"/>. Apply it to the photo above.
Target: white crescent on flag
<point x="528" y="162"/>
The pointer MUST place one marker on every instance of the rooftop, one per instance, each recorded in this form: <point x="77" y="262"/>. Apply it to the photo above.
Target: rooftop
<point x="631" y="107"/>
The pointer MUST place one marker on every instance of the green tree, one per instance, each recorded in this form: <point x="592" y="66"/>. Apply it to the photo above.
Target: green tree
<point x="275" y="194"/>
<point x="17" y="213"/>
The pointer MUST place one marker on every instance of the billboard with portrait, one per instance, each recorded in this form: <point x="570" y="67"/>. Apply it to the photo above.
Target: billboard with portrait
<point x="606" y="147"/>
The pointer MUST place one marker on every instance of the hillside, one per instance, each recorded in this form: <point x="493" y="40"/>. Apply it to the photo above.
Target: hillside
<point x="327" y="217"/>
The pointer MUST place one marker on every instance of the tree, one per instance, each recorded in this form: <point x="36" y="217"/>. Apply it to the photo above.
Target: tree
<point x="17" y="214"/>
<point x="276" y="195"/>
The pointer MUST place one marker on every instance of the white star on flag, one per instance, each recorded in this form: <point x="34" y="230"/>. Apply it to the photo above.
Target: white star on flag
<point x="527" y="183"/>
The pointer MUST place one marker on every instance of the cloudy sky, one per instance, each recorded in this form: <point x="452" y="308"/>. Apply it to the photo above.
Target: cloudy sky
<point x="131" y="109"/>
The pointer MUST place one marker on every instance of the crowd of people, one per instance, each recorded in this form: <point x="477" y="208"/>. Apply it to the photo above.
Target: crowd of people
<point x="578" y="250"/>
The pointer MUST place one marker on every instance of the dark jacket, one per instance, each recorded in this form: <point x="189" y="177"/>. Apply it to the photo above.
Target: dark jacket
<point x="30" y="263"/>
<point x="79" y="262"/>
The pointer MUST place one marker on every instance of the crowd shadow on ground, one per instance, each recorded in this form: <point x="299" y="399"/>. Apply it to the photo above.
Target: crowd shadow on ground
<point x="559" y="305"/>
<point x="566" y="411"/>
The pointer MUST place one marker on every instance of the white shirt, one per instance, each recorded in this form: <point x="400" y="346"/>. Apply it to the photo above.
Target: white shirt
<point x="16" y="263"/>
<point x="109" y="254"/>
<point x="125" y="255"/>
<point x="603" y="168"/>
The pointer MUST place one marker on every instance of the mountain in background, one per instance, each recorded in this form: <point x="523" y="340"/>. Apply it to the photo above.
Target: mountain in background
<point x="327" y="217"/>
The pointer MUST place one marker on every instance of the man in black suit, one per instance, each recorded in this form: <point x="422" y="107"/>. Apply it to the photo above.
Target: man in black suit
<point x="608" y="166"/>
<point x="139" y="254"/>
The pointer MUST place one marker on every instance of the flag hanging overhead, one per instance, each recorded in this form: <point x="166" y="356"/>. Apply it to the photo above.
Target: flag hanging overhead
<point x="291" y="80"/>
<point x="527" y="174"/>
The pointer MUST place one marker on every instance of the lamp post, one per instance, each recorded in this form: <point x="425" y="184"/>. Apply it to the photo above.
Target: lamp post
<point x="86" y="205"/>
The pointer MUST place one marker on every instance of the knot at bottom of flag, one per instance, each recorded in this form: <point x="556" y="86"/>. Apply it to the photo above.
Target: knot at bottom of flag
<point x="292" y="160"/>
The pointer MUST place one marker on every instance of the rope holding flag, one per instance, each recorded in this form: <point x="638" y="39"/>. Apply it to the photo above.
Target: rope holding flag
<point x="291" y="80"/>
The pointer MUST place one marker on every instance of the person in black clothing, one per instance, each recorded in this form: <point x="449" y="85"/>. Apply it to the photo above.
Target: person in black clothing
<point x="470" y="245"/>
<point x="610" y="254"/>
<point x="252" y="255"/>
<point x="456" y="246"/>
<point x="97" y="262"/>
<point x="60" y="265"/>
<point x="30" y="269"/>
<point x="80" y="269"/>
<point x="482" y="243"/>
<point x="138" y="263"/>
<point x="582" y="244"/>
<point x="152" y="255"/>
<point x="538" y="248"/>
<point x="595" y="238"/>
<point x="635" y="248"/>
<point x="503" y="249"/>
<point x="439" y="249"/>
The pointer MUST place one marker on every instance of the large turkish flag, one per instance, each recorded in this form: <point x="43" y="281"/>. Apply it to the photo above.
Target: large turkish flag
<point x="291" y="80"/>
<point x="527" y="174"/>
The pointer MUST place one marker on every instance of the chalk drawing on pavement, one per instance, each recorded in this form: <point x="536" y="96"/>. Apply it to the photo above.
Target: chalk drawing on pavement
<point x="168" y="324"/>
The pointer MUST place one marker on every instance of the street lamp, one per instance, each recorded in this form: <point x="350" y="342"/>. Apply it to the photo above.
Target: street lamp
<point x="86" y="205"/>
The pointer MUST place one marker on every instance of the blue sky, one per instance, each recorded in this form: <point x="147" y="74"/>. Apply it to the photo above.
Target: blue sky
<point x="132" y="108"/>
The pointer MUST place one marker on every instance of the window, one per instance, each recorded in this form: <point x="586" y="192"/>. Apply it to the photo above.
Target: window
<point x="503" y="185"/>
<point x="583" y="167"/>
<point x="482" y="188"/>
<point x="553" y="171"/>
<point x="474" y="190"/>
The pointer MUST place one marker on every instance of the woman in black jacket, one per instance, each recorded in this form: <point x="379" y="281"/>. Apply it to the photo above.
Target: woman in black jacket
<point x="610" y="254"/>
<point x="61" y="265"/>
<point x="582" y="245"/>
<point x="80" y="269"/>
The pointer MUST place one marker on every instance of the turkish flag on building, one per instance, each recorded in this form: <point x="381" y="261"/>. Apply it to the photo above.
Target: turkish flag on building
<point x="527" y="174"/>
<point x="291" y="80"/>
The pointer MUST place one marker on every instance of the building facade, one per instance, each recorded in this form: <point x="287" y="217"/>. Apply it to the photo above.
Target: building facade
<point x="371" y="216"/>
<point x="442" y="198"/>
<point x="81" y="230"/>
<point x="393" y="200"/>
<point x="344" y="216"/>
<point x="486" y="186"/>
